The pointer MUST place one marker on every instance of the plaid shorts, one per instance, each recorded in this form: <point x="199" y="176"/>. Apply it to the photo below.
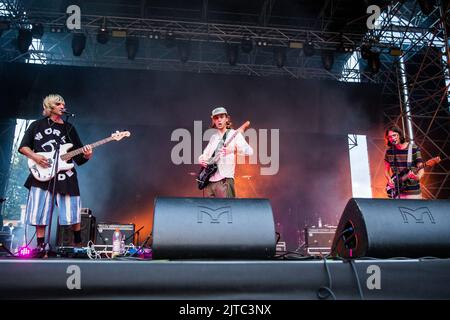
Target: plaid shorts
<point x="39" y="205"/>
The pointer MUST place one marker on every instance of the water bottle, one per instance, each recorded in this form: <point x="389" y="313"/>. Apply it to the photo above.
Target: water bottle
<point x="122" y="245"/>
<point x="117" y="238"/>
<point x="320" y="222"/>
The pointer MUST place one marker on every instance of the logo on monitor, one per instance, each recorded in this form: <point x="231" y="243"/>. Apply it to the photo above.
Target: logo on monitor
<point x="416" y="215"/>
<point x="214" y="215"/>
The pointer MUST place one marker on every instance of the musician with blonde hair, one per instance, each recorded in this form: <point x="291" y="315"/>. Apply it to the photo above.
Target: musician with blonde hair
<point x="47" y="135"/>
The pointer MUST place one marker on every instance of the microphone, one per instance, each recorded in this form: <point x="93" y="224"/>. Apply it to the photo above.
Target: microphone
<point x="68" y="113"/>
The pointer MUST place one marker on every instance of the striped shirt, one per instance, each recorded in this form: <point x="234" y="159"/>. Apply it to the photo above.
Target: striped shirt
<point x="401" y="162"/>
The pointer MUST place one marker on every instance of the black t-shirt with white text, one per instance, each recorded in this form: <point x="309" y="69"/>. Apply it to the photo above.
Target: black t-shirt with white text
<point x="44" y="135"/>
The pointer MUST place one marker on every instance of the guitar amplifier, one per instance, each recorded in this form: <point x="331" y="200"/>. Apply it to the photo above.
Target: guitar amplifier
<point x="318" y="241"/>
<point x="105" y="232"/>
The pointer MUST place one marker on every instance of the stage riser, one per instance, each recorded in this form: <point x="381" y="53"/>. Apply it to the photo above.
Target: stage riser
<point x="31" y="279"/>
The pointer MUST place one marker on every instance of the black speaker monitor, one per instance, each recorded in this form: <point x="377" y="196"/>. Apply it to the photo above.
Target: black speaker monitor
<point x="386" y="228"/>
<point x="213" y="228"/>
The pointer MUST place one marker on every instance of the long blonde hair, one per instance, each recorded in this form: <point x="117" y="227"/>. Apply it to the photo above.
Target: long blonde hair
<point x="47" y="103"/>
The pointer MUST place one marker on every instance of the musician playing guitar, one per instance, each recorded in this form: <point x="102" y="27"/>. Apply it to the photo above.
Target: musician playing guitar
<point x="221" y="183"/>
<point x="396" y="161"/>
<point x="47" y="135"/>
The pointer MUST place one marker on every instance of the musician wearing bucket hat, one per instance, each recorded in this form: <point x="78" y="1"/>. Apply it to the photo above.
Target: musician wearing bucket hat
<point x="221" y="183"/>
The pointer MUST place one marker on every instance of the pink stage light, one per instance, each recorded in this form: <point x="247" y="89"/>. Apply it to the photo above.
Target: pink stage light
<point x="24" y="252"/>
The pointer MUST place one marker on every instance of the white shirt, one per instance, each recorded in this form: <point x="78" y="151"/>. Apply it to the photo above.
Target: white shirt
<point x="227" y="163"/>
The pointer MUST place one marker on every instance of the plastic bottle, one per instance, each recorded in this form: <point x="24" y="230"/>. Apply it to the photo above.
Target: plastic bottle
<point x="320" y="222"/>
<point x="117" y="238"/>
<point x="122" y="245"/>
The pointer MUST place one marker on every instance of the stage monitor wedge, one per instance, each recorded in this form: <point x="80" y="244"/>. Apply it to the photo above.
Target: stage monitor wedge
<point x="198" y="228"/>
<point x="386" y="228"/>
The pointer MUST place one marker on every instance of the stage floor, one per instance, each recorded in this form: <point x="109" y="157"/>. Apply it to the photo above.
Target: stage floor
<point x="223" y="280"/>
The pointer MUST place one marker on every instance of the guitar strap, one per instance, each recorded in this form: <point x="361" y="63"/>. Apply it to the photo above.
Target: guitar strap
<point x="221" y="142"/>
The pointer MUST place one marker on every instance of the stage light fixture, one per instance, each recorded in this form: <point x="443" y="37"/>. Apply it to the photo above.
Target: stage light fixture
<point x="154" y="35"/>
<point x="102" y="35"/>
<point x="374" y="62"/>
<point x="232" y="52"/>
<point x="24" y="40"/>
<point x="279" y="55"/>
<point x="246" y="45"/>
<point x="426" y="6"/>
<point x="184" y="49"/>
<point x="37" y="30"/>
<point x="327" y="59"/>
<point x="366" y="51"/>
<point x="132" y="46"/>
<point x="169" y="39"/>
<point x="395" y="52"/>
<point x="78" y="43"/>
<point x="295" y="45"/>
<point x="4" y="25"/>
<point x="119" y="33"/>
<point x="308" y="49"/>
<point x="261" y="43"/>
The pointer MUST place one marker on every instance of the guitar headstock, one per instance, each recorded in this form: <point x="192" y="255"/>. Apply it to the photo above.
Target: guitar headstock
<point x="120" y="135"/>
<point x="244" y="126"/>
<point x="433" y="161"/>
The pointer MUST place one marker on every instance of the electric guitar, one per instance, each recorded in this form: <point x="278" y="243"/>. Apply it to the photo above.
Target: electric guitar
<point x="206" y="172"/>
<point x="46" y="174"/>
<point x="392" y="191"/>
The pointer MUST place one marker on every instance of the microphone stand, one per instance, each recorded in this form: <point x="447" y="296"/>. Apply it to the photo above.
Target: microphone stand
<point x="47" y="245"/>
<point x="395" y="166"/>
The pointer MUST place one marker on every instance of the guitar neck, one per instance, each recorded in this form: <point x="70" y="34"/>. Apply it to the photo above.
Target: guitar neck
<point x="78" y="151"/>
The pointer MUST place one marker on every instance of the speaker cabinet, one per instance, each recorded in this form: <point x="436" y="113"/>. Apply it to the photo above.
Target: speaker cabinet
<point x="185" y="228"/>
<point x="65" y="233"/>
<point x="385" y="228"/>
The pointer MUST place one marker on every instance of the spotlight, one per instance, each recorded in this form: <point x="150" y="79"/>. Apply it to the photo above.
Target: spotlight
<point x="78" y="44"/>
<point x="246" y="45"/>
<point x="426" y="6"/>
<point x="279" y="55"/>
<point x="366" y="51"/>
<point x="184" y="50"/>
<point x="374" y="62"/>
<point x="56" y="29"/>
<point x="327" y="60"/>
<point x="232" y="53"/>
<point x="154" y="35"/>
<point x="37" y="30"/>
<point x="132" y="45"/>
<point x="261" y="43"/>
<point x="102" y="35"/>
<point x="169" y="40"/>
<point x="24" y="40"/>
<point x="308" y="49"/>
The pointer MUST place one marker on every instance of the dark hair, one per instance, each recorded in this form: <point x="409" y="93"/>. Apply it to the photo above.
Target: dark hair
<point x="229" y="123"/>
<point x="394" y="129"/>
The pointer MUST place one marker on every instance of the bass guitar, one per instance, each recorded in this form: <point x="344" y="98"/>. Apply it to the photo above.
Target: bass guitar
<point x="46" y="174"/>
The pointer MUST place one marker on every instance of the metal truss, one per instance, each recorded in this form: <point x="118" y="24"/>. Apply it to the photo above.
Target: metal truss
<point x="426" y="71"/>
<point x="207" y="45"/>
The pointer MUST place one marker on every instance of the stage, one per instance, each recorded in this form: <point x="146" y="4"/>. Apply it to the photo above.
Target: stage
<point x="389" y="279"/>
